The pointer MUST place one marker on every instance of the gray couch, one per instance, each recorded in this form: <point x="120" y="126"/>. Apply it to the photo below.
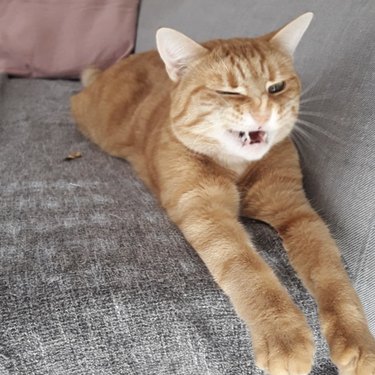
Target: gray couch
<point x="94" y="277"/>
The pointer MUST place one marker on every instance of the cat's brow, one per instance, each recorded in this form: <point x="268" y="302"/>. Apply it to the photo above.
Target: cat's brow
<point x="232" y="79"/>
<point x="240" y="70"/>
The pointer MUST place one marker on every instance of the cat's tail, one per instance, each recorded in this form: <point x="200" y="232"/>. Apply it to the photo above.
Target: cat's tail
<point x="89" y="75"/>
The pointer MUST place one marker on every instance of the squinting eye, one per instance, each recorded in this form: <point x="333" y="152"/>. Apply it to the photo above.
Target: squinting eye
<point x="276" y="87"/>
<point x="227" y="92"/>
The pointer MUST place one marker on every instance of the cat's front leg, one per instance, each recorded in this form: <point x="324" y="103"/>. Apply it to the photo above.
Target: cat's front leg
<point x="207" y="214"/>
<point x="316" y="258"/>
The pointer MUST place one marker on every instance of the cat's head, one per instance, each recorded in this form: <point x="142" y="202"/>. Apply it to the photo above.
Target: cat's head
<point x="234" y="99"/>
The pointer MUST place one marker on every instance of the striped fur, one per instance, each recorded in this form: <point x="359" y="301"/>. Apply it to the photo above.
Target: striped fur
<point x="174" y="133"/>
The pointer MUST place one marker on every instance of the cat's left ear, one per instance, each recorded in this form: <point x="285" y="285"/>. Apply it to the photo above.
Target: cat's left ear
<point x="290" y="35"/>
<point x="177" y="51"/>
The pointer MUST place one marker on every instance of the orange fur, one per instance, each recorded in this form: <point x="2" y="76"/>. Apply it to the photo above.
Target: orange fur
<point x="166" y="130"/>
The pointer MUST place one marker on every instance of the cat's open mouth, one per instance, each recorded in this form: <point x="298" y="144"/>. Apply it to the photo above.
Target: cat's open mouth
<point x="250" y="138"/>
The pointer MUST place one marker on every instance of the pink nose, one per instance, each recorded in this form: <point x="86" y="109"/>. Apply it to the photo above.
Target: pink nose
<point x="261" y="118"/>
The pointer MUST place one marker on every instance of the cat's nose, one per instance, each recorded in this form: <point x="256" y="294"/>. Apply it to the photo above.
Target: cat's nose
<point x="261" y="118"/>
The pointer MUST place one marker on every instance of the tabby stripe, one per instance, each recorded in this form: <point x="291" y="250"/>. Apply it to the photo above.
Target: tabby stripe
<point x="261" y="57"/>
<point x="183" y="112"/>
<point x="239" y="68"/>
<point x="197" y="120"/>
<point x="263" y="67"/>
<point x="258" y="51"/>
<point x="232" y="79"/>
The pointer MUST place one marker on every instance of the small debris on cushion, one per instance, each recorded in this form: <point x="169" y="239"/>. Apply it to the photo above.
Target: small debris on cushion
<point x="73" y="155"/>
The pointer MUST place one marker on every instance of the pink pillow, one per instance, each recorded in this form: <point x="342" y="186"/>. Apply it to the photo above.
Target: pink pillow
<point x="58" y="38"/>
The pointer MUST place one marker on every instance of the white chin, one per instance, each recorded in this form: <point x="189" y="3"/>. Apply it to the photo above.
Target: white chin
<point x="249" y="152"/>
<point x="245" y="152"/>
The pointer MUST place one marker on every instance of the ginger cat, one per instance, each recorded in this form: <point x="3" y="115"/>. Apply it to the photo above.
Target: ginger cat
<point x="207" y="129"/>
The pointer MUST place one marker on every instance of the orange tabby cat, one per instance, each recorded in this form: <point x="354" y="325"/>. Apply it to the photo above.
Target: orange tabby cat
<point x="210" y="139"/>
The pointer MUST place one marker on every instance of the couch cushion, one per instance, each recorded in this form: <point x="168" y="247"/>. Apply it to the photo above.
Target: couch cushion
<point x="94" y="278"/>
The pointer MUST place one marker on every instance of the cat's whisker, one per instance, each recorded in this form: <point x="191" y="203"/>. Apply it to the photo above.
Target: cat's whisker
<point x="311" y="126"/>
<point x="310" y="86"/>
<point x="299" y="140"/>
<point x="317" y="114"/>
<point x="302" y="139"/>
<point x="314" y="99"/>
<point x="302" y="133"/>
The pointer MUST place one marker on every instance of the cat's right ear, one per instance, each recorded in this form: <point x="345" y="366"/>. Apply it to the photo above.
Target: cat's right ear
<point x="177" y="51"/>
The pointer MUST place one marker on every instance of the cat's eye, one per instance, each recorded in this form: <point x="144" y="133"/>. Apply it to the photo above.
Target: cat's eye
<point x="227" y="92"/>
<point x="276" y="87"/>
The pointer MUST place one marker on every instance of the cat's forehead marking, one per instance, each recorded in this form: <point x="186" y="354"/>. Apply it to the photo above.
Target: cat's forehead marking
<point x="241" y="71"/>
<point x="247" y="60"/>
<point x="232" y="79"/>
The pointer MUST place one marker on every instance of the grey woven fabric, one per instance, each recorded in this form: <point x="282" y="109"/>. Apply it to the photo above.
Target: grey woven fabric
<point x="94" y="279"/>
<point x="336" y="61"/>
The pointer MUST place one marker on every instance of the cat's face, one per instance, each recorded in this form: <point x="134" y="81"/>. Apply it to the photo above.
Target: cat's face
<point x="235" y="99"/>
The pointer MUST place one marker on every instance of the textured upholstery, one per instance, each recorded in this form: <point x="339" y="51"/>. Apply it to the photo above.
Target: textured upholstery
<point x="94" y="279"/>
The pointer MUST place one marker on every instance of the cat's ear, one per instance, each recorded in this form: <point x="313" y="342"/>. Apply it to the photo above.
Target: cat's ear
<point x="177" y="51"/>
<point x="290" y="35"/>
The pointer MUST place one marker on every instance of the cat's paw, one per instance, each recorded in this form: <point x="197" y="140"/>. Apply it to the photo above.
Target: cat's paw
<point x="284" y="347"/>
<point x="352" y="351"/>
